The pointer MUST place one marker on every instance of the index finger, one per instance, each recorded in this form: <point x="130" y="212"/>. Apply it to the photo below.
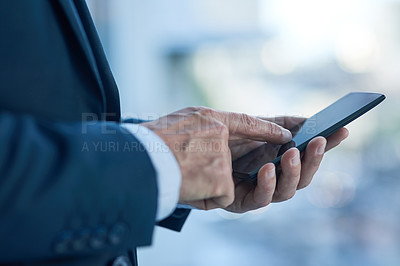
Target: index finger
<point x="286" y="121"/>
<point x="247" y="126"/>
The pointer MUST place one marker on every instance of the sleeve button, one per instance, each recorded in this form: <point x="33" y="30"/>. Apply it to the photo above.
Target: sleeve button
<point x="121" y="261"/>
<point x="79" y="242"/>
<point x="63" y="242"/>
<point x="98" y="238"/>
<point x="117" y="233"/>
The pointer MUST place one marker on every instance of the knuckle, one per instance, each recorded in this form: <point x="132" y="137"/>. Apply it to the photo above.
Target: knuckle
<point x="290" y="195"/>
<point x="190" y="109"/>
<point x="197" y="108"/>
<point x="307" y="183"/>
<point x="279" y="196"/>
<point x="304" y="184"/>
<point x="222" y="130"/>
<point x="194" y="110"/>
<point x="263" y="203"/>
<point x="274" y="130"/>
<point x="248" y="121"/>
<point x="206" y="111"/>
<point x="229" y="200"/>
<point x="198" y="121"/>
<point x="268" y="128"/>
<point x="229" y="196"/>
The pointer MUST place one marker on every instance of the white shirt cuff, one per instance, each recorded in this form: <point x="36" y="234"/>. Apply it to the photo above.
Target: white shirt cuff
<point x="167" y="168"/>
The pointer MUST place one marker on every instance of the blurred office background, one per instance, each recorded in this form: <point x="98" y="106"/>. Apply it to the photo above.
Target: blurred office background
<point x="268" y="57"/>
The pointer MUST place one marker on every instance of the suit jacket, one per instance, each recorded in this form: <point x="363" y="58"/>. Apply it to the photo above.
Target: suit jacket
<point x="75" y="187"/>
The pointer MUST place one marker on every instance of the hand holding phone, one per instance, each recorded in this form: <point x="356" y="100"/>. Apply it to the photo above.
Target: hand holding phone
<point x="324" y="123"/>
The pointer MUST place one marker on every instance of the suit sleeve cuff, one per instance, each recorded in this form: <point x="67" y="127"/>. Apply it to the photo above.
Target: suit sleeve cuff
<point x="166" y="166"/>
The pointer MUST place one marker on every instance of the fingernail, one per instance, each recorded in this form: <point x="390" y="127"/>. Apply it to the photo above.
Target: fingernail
<point x="321" y="149"/>
<point x="287" y="135"/>
<point x="271" y="172"/>
<point x="295" y="160"/>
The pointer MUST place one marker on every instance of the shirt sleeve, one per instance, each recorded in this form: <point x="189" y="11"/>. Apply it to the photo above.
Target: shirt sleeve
<point x="167" y="168"/>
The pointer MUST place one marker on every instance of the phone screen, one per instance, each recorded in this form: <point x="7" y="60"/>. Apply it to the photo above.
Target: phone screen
<point x="324" y="123"/>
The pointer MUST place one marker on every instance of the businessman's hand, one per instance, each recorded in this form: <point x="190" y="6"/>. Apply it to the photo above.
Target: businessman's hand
<point x="293" y="173"/>
<point x="199" y="138"/>
<point x="205" y="142"/>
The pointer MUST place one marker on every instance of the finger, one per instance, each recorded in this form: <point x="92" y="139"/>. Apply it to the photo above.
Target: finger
<point x="247" y="126"/>
<point x="264" y="191"/>
<point x="291" y="121"/>
<point x="290" y="176"/>
<point x="286" y="121"/>
<point x="249" y="197"/>
<point x="336" y="138"/>
<point x="311" y="161"/>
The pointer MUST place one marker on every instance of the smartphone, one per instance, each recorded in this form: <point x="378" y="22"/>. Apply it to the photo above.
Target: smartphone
<point x="324" y="123"/>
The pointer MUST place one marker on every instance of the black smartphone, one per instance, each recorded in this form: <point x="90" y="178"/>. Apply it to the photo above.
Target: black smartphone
<point x="324" y="123"/>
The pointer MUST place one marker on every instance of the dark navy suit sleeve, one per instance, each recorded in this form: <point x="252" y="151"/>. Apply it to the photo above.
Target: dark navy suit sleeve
<point x="176" y="220"/>
<point x="69" y="190"/>
<point x="72" y="189"/>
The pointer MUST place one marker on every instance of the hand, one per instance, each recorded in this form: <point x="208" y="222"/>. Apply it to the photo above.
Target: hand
<point x="293" y="173"/>
<point x="199" y="137"/>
